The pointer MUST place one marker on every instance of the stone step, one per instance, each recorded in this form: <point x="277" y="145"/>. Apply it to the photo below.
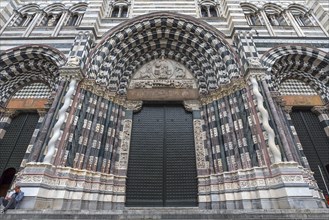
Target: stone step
<point x="169" y="213"/>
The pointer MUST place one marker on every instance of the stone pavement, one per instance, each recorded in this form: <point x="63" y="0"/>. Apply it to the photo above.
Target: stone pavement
<point x="170" y="213"/>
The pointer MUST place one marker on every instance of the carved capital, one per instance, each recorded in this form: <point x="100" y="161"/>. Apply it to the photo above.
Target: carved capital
<point x="277" y="98"/>
<point x="91" y="86"/>
<point x="192" y="105"/>
<point x="42" y="112"/>
<point x="68" y="73"/>
<point x="319" y="110"/>
<point x="259" y="74"/>
<point x="255" y="68"/>
<point x="225" y="90"/>
<point x="254" y="62"/>
<point x="287" y="109"/>
<point x="10" y="113"/>
<point x="135" y="106"/>
<point x="72" y="69"/>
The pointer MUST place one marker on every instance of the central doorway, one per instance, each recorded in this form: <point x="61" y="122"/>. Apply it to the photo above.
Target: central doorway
<point x="162" y="166"/>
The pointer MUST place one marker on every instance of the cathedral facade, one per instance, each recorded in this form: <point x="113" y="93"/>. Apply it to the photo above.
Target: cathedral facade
<point x="215" y="104"/>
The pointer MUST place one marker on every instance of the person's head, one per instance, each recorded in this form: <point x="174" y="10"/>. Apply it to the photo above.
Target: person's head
<point x="17" y="188"/>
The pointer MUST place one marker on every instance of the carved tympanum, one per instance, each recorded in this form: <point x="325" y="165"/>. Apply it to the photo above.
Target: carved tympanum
<point x="161" y="73"/>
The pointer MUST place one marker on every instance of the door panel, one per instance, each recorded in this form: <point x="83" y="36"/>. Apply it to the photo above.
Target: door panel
<point x="17" y="137"/>
<point x="161" y="168"/>
<point x="315" y="143"/>
<point x="181" y="188"/>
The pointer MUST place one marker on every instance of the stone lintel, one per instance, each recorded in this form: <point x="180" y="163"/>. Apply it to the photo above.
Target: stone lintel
<point x="162" y="94"/>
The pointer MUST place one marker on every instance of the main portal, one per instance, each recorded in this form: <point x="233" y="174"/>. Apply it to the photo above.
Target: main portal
<point x="162" y="165"/>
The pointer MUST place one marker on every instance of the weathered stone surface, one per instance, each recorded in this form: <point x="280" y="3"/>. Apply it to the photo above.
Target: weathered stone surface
<point x="162" y="94"/>
<point x="170" y="213"/>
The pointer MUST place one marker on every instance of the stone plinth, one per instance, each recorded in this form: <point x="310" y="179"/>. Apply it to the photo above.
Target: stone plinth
<point x="64" y="188"/>
<point x="285" y="186"/>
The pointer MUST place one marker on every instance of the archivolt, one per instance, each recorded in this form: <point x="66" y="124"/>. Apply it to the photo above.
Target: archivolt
<point x="24" y="65"/>
<point x="201" y="48"/>
<point x="294" y="61"/>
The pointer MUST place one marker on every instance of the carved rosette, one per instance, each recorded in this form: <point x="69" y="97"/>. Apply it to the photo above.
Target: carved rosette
<point x="125" y="144"/>
<point x="199" y="144"/>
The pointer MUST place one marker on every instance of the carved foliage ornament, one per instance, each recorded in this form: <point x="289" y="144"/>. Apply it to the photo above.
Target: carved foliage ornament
<point x="199" y="144"/>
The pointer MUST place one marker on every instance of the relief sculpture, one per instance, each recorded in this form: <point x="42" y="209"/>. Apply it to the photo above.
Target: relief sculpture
<point x="162" y="73"/>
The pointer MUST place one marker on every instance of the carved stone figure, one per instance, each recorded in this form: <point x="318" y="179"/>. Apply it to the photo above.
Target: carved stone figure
<point x="52" y="20"/>
<point x="73" y="61"/>
<point x="179" y="73"/>
<point x="162" y="73"/>
<point x="254" y="62"/>
<point x="147" y="73"/>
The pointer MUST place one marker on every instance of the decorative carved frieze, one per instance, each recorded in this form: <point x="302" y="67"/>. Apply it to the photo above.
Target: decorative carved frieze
<point x="90" y="85"/>
<point x="226" y="90"/>
<point x="125" y="143"/>
<point x="199" y="145"/>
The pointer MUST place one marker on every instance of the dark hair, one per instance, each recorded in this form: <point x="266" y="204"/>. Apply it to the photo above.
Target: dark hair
<point x="17" y="187"/>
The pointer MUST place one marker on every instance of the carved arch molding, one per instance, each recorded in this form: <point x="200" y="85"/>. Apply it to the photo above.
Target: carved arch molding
<point x="198" y="47"/>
